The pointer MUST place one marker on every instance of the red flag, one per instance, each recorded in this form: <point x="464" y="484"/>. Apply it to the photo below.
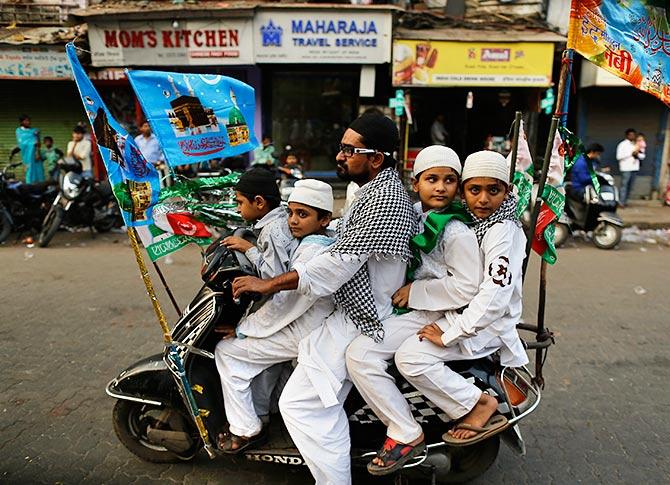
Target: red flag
<point x="185" y="224"/>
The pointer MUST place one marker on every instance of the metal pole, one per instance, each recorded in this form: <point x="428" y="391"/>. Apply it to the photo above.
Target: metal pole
<point x="167" y="289"/>
<point x="515" y="144"/>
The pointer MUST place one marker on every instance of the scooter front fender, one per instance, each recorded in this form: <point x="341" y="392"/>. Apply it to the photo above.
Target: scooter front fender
<point x="147" y="381"/>
<point x="610" y="217"/>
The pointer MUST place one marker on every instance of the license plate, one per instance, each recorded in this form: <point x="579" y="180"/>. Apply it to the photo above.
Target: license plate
<point x="607" y="195"/>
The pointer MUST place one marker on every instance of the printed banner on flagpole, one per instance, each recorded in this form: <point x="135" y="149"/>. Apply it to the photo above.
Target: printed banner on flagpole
<point x="134" y="181"/>
<point x="523" y="172"/>
<point x="197" y="117"/>
<point x="629" y="39"/>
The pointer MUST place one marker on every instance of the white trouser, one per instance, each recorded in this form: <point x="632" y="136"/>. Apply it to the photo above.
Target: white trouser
<point x="313" y="399"/>
<point x="240" y="360"/>
<point x="422" y="364"/>
<point x="367" y="365"/>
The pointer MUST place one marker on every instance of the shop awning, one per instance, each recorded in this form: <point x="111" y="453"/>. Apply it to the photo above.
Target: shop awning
<point x="502" y="33"/>
<point x="40" y="35"/>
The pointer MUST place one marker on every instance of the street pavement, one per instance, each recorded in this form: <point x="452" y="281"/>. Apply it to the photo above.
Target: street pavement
<point x="75" y="314"/>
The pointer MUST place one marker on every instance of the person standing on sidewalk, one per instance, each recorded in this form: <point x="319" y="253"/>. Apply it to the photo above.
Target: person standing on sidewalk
<point x="28" y="141"/>
<point x="629" y="164"/>
<point x="151" y="150"/>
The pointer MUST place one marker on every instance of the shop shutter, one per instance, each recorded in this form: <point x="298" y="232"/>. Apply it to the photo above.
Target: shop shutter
<point x="54" y="107"/>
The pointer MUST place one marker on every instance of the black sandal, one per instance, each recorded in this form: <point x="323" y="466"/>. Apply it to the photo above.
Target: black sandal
<point x="394" y="455"/>
<point x="231" y="444"/>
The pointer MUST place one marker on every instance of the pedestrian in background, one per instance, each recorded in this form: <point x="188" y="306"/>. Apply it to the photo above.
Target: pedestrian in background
<point x="627" y="153"/>
<point x="148" y="144"/>
<point x="438" y="132"/>
<point x="264" y="156"/>
<point x="28" y="141"/>
<point x="79" y="150"/>
<point x="50" y="155"/>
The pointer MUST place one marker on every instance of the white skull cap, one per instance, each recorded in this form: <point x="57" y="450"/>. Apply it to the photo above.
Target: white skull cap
<point x="436" y="156"/>
<point x="313" y="193"/>
<point x="486" y="163"/>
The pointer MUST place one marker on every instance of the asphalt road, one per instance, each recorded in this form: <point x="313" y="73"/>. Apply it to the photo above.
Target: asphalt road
<point x="73" y="315"/>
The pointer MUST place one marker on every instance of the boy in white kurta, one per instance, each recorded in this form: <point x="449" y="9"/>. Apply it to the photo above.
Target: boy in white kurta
<point x="446" y="270"/>
<point x="488" y="324"/>
<point x="258" y="201"/>
<point x="271" y="335"/>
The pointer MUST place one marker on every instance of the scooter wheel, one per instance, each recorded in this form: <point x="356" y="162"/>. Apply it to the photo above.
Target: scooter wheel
<point x="131" y="421"/>
<point x="606" y="235"/>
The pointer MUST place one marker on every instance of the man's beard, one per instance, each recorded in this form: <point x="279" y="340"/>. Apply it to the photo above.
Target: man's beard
<point x="343" y="174"/>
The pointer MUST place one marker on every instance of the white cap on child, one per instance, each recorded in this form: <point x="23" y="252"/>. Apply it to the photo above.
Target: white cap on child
<point x="313" y="193"/>
<point x="486" y="163"/>
<point x="436" y="156"/>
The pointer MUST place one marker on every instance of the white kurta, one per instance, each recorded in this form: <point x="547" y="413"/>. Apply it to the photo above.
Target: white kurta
<point x="269" y="336"/>
<point x="312" y="401"/>
<point x="486" y="326"/>
<point x="275" y="245"/>
<point x="447" y="279"/>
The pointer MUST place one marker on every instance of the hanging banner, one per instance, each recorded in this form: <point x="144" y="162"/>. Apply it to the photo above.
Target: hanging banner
<point x="33" y="62"/>
<point x="628" y="39"/>
<point x="444" y="63"/>
<point x="197" y="117"/>
<point x="168" y="43"/>
<point x="135" y="182"/>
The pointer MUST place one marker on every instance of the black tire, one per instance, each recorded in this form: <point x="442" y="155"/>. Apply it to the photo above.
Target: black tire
<point x="606" y="235"/>
<point x="105" y="225"/>
<point x="5" y="226"/>
<point x="561" y="234"/>
<point x="51" y="223"/>
<point x="131" y="420"/>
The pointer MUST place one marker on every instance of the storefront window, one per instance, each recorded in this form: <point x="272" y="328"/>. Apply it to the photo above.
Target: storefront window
<point x="310" y="112"/>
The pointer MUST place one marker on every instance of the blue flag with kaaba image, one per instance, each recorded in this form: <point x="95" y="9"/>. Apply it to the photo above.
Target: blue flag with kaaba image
<point x="197" y="117"/>
<point x="135" y="182"/>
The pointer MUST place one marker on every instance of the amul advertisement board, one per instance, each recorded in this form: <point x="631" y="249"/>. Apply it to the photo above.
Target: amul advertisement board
<point x="446" y="63"/>
<point x="166" y="43"/>
<point x="335" y="36"/>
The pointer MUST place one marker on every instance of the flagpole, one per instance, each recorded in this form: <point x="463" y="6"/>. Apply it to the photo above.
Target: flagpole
<point x="167" y="288"/>
<point x="515" y="144"/>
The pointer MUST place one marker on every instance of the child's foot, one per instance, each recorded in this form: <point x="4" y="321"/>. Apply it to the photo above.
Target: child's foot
<point x="479" y="416"/>
<point x="394" y="455"/>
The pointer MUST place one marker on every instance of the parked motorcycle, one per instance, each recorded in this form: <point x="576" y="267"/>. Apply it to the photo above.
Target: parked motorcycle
<point x="81" y="201"/>
<point x="151" y="415"/>
<point x="22" y="206"/>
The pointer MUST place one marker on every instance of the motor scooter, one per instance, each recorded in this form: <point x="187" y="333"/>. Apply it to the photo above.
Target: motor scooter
<point x="81" y="201"/>
<point x="151" y="416"/>
<point x="22" y="206"/>
<point x="594" y="212"/>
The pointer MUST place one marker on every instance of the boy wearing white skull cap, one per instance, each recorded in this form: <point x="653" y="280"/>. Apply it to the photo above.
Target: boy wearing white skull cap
<point x="272" y="333"/>
<point x="445" y="272"/>
<point x="489" y="322"/>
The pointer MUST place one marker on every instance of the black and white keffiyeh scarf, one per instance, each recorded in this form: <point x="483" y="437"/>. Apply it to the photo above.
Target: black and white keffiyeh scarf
<point x="380" y="225"/>
<point x="506" y="212"/>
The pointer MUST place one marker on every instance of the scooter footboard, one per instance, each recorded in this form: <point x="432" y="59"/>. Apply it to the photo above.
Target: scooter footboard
<point x="206" y="387"/>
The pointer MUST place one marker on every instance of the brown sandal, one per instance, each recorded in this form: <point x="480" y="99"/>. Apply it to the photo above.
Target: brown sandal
<point x="231" y="444"/>
<point x="494" y="425"/>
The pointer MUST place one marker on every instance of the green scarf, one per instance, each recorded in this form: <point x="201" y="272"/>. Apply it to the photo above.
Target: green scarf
<point x="425" y="242"/>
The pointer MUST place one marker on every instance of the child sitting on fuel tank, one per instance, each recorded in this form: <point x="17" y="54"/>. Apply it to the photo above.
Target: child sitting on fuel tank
<point x="271" y="334"/>
<point x="488" y="324"/>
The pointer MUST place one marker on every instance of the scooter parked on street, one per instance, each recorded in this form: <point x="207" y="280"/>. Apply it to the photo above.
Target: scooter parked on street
<point x="22" y="206"/>
<point x="151" y="415"/>
<point x="81" y="201"/>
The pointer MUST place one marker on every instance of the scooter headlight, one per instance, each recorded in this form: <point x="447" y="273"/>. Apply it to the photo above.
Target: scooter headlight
<point x="71" y="187"/>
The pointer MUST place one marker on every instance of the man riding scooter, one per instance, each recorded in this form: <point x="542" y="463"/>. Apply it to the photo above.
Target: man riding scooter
<point x="580" y="176"/>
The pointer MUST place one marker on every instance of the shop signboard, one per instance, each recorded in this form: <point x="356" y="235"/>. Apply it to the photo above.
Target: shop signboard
<point x="446" y="63"/>
<point x="323" y="36"/>
<point x="165" y="43"/>
<point x="43" y="63"/>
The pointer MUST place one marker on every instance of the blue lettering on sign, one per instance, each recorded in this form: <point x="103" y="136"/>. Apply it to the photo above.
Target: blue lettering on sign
<point x="333" y="27"/>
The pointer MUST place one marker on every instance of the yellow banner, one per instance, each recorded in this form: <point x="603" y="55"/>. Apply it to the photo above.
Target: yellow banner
<point x="444" y="63"/>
